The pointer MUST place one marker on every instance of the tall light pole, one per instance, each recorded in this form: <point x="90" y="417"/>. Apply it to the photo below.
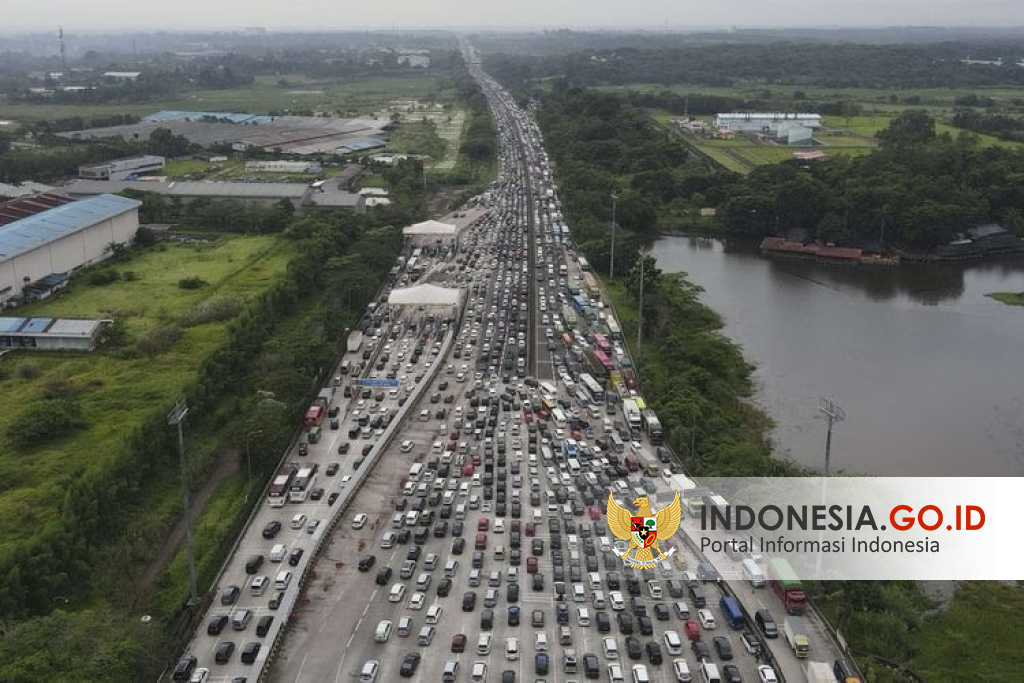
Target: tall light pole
<point x="176" y="418"/>
<point x="834" y="413"/>
<point x="640" y="317"/>
<point x="611" y="260"/>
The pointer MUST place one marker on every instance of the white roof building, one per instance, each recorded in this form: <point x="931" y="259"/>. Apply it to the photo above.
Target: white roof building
<point x="425" y="295"/>
<point x="430" y="228"/>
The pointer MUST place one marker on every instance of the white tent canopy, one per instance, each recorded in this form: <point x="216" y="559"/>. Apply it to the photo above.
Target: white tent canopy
<point x="425" y="295"/>
<point x="430" y="228"/>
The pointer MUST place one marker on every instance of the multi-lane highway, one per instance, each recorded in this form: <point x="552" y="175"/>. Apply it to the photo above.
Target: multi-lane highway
<point x="460" y="531"/>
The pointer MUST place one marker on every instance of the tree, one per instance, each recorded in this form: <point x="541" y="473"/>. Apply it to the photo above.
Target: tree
<point x="912" y="127"/>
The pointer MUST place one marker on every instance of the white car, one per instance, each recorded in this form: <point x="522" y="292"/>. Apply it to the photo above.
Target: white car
<point x="416" y="600"/>
<point x="707" y="619"/>
<point x="359" y="521"/>
<point x="344" y="481"/>
<point x="766" y="674"/>
<point x="298" y="521"/>
<point x="615" y="673"/>
<point x="407" y="446"/>
<point x="618" y="604"/>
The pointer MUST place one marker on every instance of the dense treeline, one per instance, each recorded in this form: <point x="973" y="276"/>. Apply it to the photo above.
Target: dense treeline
<point x="918" y="191"/>
<point x="798" y="63"/>
<point x="600" y="144"/>
<point x="999" y="125"/>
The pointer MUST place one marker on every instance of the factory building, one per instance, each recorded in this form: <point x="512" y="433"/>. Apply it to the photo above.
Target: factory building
<point x="280" y="166"/>
<point x="49" y="334"/>
<point x="121" y="169"/>
<point x="746" y="122"/>
<point x="45" y="237"/>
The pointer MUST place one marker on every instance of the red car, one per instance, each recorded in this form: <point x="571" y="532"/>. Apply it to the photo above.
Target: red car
<point x="692" y="630"/>
<point x="531" y="565"/>
<point x="529" y="530"/>
<point x="595" y="514"/>
<point x="483" y="524"/>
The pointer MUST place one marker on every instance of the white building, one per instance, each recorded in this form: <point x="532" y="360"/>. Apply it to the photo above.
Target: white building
<point x="279" y="166"/>
<point x="61" y="239"/>
<point x="120" y="169"/>
<point x="49" y="334"/>
<point x="429" y="233"/>
<point x="753" y="122"/>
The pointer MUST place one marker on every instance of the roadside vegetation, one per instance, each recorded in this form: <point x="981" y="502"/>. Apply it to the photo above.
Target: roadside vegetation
<point x="1009" y="298"/>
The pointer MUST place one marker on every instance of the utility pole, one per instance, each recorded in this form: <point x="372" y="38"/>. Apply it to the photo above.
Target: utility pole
<point x="176" y="418"/>
<point x="611" y="264"/>
<point x="834" y="413"/>
<point x="640" y="317"/>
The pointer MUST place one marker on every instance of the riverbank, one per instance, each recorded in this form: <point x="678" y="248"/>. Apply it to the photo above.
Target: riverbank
<point x="1008" y="298"/>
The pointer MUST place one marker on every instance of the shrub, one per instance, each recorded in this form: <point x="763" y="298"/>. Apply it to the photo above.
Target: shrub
<point x="144" y="237"/>
<point x="214" y="310"/>
<point x="43" y="421"/>
<point x="102" y="277"/>
<point x="28" y="371"/>
<point x="192" y="283"/>
<point x="129" y="276"/>
<point x="159" y="340"/>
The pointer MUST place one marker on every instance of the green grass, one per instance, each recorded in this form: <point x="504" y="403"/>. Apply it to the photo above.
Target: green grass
<point x="116" y="393"/>
<point x="360" y="96"/>
<point x="1009" y="298"/>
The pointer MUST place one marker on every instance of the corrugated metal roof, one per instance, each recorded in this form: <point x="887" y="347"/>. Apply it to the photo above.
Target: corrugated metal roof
<point x="191" y="188"/>
<point x="11" y="324"/>
<point x="30" y="233"/>
<point x="73" y="328"/>
<point x="37" y="325"/>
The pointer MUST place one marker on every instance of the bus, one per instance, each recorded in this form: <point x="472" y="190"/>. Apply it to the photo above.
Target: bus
<point x="547" y="388"/>
<point x="279" y="489"/>
<point x="653" y="426"/>
<point x="301" y="485"/>
<point x="601" y="342"/>
<point x="559" y="417"/>
<point x="584" y="264"/>
<point x="593" y="390"/>
<point x="604" y="360"/>
<point x="614" y="331"/>
<point x="632" y="414"/>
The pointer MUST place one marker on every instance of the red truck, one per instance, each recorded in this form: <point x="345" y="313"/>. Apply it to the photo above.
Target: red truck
<point x="315" y="413"/>
<point x="786" y="585"/>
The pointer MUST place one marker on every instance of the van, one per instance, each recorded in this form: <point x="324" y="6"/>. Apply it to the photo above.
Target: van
<point x="404" y="627"/>
<point x="483" y="644"/>
<point x="583" y="616"/>
<point x="434" y="613"/>
<point x="259" y="584"/>
<point x="673" y="643"/>
<point x="578" y="594"/>
<point x="450" y="568"/>
<point x="451" y="670"/>
<point x="426" y="636"/>
<point x="397" y="592"/>
<point x="709" y="672"/>
<point x="284" y="578"/>
<point x="599" y="600"/>
<point x="611" y="648"/>
<point x="697" y="596"/>
<point x="368" y="674"/>
<point x="654" y="589"/>
<point x="396" y="520"/>
<point x="682" y="670"/>
<point x="278" y="552"/>
<point x="499" y="552"/>
<point x="183" y="669"/>
<point x="383" y="632"/>
<point x="595" y="581"/>
<point x="474" y="577"/>
<point x="240" y="618"/>
<point x="753" y="573"/>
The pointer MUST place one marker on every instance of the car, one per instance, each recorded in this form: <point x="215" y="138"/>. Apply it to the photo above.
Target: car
<point x="250" y="652"/>
<point x="222" y="655"/>
<point x="298" y="521"/>
<point x="701" y="650"/>
<point x="271" y="529"/>
<point x="707" y="619"/>
<point x="537" y="618"/>
<point x="723" y="647"/>
<point x="459" y="642"/>
<point x="750" y="643"/>
<point x="407" y="446"/>
<point x="731" y="674"/>
<point x="366" y="563"/>
<point x="468" y="601"/>
<point x="383" y="576"/>
<point x="633" y="648"/>
<point x="359" y="521"/>
<point x="444" y="587"/>
<point x="409" y="664"/>
<point x="216" y="624"/>
<point x="332" y="469"/>
<point x="344" y="448"/>
<point x="331" y="499"/>
<point x="295" y="556"/>
<point x="229" y="595"/>
<point x="276" y="601"/>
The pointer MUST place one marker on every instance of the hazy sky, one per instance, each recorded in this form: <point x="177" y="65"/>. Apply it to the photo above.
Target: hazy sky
<point x="337" y="14"/>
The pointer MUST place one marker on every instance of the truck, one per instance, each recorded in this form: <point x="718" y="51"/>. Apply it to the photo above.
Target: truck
<point x="632" y="413"/>
<point x="796" y="636"/>
<point x="752" y="573"/>
<point x="653" y="426"/>
<point x="680" y="482"/>
<point x="732" y="611"/>
<point x="355" y="341"/>
<point x="315" y="413"/>
<point x="818" y="672"/>
<point x="787" y="586"/>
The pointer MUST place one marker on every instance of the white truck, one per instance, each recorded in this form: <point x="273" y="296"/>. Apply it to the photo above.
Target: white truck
<point x="796" y="636"/>
<point x="753" y="573"/>
<point x="819" y="672"/>
<point x="355" y="341"/>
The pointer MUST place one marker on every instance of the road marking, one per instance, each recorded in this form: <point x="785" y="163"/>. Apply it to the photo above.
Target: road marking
<point x="298" y="674"/>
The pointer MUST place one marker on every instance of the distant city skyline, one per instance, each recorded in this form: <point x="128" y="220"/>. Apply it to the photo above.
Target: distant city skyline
<point x="32" y="15"/>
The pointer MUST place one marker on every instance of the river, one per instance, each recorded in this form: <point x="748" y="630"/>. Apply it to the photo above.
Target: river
<point x="929" y="371"/>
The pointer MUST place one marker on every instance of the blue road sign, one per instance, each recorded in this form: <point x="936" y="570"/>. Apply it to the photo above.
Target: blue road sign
<point x="379" y="382"/>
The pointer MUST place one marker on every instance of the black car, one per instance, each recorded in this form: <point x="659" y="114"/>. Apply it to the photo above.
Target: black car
<point x="508" y="676"/>
<point x="723" y="647"/>
<point x="414" y="553"/>
<point x="562" y="613"/>
<point x="294" y="556"/>
<point x="458" y="545"/>
<point x="409" y="664"/>
<point x="276" y="601"/>
<point x="513" y="616"/>
<point x="253" y="564"/>
<point x="263" y="625"/>
<point x="271" y="529"/>
<point x="343" y="448"/>
<point x="731" y="674"/>
<point x="316" y="494"/>
<point x="444" y="587"/>
<point x="625" y="622"/>
<point x="646" y="628"/>
<point x="512" y="592"/>
<point x="700" y="650"/>
<point x="367" y="563"/>
<point x="661" y="612"/>
<point x="332" y="498"/>
<point x="654" y="653"/>
<point x="229" y="595"/>
<point x="633" y="648"/>
<point x="383" y="576"/>
<point x="222" y="655"/>
<point x="332" y="469"/>
<point x="250" y="652"/>
<point x="468" y="601"/>
<point x="216" y="624"/>
<point x="541" y="662"/>
<point x="591" y="667"/>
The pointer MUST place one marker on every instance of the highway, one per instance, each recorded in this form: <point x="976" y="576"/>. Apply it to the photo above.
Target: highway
<point x="480" y="456"/>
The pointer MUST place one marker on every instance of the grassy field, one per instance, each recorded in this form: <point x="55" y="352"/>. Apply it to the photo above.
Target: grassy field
<point x="356" y="97"/>
<point x="112" y="389"/>
<point x="1009" y="298"/>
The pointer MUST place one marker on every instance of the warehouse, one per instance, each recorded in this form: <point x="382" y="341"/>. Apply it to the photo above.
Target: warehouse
<point x="59" y="236"/>
<point x="280" y="166"/>
<point x="49" y="334"/>
<point x="746" y="122"/>
<point x="121" y="169"/>
<point x="431" y="233"/>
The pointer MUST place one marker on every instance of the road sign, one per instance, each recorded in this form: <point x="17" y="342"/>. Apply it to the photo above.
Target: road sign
<point x="379" y="382"/>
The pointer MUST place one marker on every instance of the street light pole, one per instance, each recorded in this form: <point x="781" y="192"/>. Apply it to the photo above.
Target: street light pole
<point x="176" y="418"/>
<point x="834" y="414"/>
<point x="640" y="317"/>
<point x="611" y="263"/>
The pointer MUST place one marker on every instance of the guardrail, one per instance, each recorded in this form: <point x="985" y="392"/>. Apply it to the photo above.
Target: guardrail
<point x="843" y="645"/>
